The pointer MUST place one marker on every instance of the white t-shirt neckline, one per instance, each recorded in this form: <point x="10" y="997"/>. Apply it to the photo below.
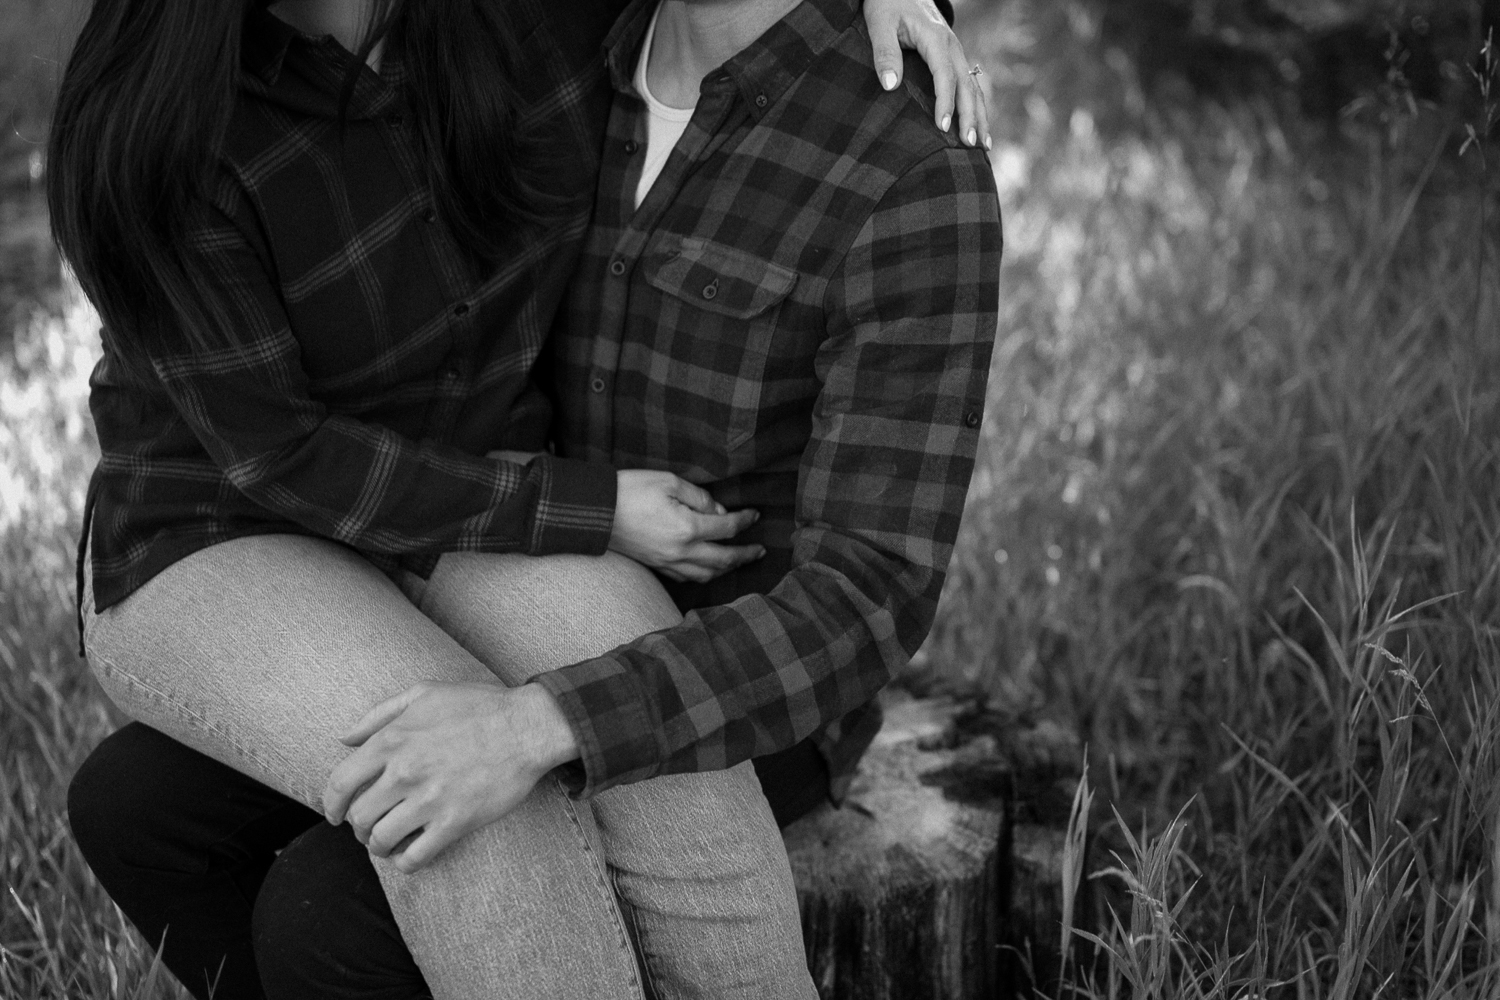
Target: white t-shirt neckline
<point x="664" y="123"/>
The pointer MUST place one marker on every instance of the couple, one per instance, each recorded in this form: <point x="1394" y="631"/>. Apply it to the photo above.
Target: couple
<point x="391" y="292"/>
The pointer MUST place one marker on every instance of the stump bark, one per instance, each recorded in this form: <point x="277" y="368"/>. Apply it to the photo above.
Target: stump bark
<point x="903" y="890"/>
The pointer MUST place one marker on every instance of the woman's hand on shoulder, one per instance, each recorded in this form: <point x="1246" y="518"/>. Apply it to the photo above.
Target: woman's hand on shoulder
<point x="916" y="24"/>
<point x="665" y="522"/>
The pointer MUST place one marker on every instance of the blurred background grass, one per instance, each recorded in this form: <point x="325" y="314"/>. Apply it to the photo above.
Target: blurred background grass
<point x="1236" y="521"/>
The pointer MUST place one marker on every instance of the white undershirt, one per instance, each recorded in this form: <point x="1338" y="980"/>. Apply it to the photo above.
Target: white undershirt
<point x="664" y="125"/>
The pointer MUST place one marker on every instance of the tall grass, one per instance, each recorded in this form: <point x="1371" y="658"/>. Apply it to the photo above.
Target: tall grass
<point x="1238" y="522"/>
<point x="60" y="936"/>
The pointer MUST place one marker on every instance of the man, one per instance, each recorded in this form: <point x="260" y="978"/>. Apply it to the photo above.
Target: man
<point x="788" y="296"/>
<point x="796" y="312"/>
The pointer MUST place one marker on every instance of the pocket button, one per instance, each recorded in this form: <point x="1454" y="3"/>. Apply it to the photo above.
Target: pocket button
<point x="711" y="289"/>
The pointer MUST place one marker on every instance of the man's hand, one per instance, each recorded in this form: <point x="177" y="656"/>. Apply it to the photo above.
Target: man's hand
<point x="442" y="759"/>
<point x="665" y="522"/>
<point x="916" y="24"/>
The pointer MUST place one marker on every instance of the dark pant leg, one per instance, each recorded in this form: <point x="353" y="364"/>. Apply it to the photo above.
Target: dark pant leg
<point x="795" y="781"/>
<point x="182" y="844"/>
<point x="323" y="927"/>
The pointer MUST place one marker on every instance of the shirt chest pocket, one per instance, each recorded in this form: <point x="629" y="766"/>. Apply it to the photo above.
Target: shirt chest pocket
<point x="714" y="341"/>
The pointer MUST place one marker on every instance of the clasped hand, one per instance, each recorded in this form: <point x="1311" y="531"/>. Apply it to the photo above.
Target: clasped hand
<point x="665" y="522"/>
<point x="672" y="526"/>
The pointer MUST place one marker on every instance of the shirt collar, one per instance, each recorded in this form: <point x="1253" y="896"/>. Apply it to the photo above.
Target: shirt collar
<point x="263" y="47"/>
<point x="306" y="74"/>
<point x="764" y="69"/>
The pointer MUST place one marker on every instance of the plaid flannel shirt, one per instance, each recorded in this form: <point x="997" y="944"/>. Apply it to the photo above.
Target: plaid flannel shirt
<point x="799" y="318"/>
<point x="372" y="362"/>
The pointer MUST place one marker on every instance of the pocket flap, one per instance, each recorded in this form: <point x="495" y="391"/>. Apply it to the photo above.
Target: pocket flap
<point x="719" y="278"/>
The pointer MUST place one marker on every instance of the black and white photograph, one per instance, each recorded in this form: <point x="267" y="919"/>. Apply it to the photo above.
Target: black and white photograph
<point x="749" y="499"/>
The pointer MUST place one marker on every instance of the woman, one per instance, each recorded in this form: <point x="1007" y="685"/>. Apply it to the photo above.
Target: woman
<point x="325" y="260"/>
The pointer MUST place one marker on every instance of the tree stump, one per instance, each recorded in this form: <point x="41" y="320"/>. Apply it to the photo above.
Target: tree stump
<point x="902" y="890"/>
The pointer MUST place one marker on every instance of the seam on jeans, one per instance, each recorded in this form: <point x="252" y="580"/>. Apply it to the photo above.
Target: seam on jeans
<point x="105" y="665"/>
<point x="607" y="894"/>
<point x="651" y="986"/>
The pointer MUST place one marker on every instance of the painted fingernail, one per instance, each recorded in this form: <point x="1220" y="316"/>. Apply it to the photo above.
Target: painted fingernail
<point x="944" y="123"/>
<point x="973" y="137"/>
<point x="987" y="143"/>
<point x="888" y="80"/>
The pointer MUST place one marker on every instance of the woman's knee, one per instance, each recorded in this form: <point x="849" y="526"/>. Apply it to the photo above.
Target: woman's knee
<point x="522" y="615"/>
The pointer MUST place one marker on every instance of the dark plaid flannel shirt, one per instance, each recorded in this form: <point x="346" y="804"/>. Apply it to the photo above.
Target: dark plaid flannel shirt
<point x="373" y="363"/>
<point x="799" y="318"/>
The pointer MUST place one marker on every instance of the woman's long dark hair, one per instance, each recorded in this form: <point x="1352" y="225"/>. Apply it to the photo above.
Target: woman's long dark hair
<point x="147" y="97"/>
<point x="487" y="170"/>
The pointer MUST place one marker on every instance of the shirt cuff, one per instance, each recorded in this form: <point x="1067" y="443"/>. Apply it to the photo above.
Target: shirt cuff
<point x="618" y="737"/>
<point x="576" y="509"/>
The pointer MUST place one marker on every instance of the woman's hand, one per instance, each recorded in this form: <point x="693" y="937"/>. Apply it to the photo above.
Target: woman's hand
<point x="442" y="759"/>
<point x="665" y="522"/>
<point x="916" y="24"/>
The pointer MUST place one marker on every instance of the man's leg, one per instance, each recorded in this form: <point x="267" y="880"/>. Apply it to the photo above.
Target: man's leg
<point x="182" y="843"/>
<point x="697" y="859"/>
<point x="323" y="927"/>
<point x="795" y="781"/>
<point x="260" y="651"/>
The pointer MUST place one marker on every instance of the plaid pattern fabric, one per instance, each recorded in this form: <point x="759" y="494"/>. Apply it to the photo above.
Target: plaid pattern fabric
<point x="372" y="363"/>
<point x="799" y="317"/>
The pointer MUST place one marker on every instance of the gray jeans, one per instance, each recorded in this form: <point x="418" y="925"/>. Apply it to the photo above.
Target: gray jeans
<point x="259" y="651"/>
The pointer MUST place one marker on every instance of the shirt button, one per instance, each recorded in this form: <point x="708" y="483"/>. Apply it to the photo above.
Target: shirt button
<point x="617" y="267"/>
<point x="972" y="418"/>
<point x="394" y="118"/>
<point x="711" y="289"/>
<point x="760" y="100"/>
<point x="451" y="374"/>
<point x="597" y="385"/>
<point x="461" y="309"/>
<point x="429" y="216"/>
<point x="631" y="146"/>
